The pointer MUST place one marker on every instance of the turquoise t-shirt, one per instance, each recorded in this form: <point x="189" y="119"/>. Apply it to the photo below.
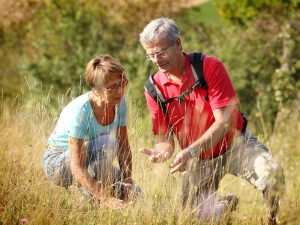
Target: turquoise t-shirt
<point x="77" y="120"/>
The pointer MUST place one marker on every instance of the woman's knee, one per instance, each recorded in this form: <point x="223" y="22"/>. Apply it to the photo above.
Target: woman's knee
<point x="58" y="172"/>
<point x="102" y="171"/>
<point x="62" y="178"/>
<point x="102" y="147"/>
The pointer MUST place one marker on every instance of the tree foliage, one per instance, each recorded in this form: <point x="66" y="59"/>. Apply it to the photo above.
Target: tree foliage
<point x="260" y="46"/>
<point x="263" y="40"/>
<point x="53" y="46"/>
<point x="241" y="12"/>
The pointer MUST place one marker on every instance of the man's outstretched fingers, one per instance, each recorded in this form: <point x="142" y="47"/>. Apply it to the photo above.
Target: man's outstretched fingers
<point x="176" y="168"/>
<point x="176" y="165"/>
<point x="177" y="160"/>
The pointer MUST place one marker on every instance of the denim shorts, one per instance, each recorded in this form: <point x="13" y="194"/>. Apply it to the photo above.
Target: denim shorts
<point x="101" y="151"/>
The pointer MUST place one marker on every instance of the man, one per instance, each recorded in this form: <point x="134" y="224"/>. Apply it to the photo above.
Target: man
<point x="208" y="126"/>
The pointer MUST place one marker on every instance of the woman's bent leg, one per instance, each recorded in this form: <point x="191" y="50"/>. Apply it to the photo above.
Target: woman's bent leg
<point x="57" y="166"/>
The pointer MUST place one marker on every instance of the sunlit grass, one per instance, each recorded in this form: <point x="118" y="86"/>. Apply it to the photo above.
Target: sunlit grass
<point x="26" y="194"/>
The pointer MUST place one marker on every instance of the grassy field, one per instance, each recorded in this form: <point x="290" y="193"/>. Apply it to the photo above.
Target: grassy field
<point x="27" y="197"/>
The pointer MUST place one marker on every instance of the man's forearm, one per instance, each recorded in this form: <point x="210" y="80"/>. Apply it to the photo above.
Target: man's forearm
<point x="216" y="131"/>
<point x="210" y="138"/>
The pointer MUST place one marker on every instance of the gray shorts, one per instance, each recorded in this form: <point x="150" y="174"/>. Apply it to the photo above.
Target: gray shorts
<point x="247" y="158"/>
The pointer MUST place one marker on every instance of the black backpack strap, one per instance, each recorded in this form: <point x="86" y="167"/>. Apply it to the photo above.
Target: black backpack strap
<point x="156" y="94"/>
<point x="196" y="59"/>
<point x="245" y="123"/>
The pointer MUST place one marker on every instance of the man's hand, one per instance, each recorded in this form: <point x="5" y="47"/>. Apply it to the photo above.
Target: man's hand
<point x="161" y="153"/>
<point x="155" y="156"/>
<point x="180" y="161"/>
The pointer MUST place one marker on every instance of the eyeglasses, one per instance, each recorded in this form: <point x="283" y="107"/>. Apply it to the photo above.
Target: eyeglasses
<point x="114" y="88"/>
<point x="162" y="53"/>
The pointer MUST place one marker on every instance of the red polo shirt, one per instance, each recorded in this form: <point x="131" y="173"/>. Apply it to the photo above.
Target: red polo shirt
<point x="190" y="119"/>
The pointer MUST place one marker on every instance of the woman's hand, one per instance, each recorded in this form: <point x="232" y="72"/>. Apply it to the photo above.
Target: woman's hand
<point x="129" y="193"/>
<point x="115" y="203"/>
<point x="110" y="202"/>
<point x="128" y="189"/>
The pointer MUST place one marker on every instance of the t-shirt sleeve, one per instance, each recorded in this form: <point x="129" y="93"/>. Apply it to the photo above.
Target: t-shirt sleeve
<point x="159" y="119"/>
<point x="77" y="123"/>
<point x="122" y="112"/>
<point x="220" y="89"/>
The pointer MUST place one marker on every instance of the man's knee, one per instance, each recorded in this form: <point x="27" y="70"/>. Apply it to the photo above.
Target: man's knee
<point x="268" y="175"/>
<point x="275" y="182"/>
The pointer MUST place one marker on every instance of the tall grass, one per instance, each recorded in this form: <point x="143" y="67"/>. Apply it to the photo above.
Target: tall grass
<point x="26" y="194"/>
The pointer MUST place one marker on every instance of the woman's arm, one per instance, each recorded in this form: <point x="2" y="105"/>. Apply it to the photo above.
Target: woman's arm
<point x="78" y="156"/>
<point x="125" y="161"/>
<point x="124" y="155"/>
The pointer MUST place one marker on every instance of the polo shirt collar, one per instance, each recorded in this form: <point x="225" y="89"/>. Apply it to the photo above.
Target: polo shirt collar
<point x="164" y="78"/>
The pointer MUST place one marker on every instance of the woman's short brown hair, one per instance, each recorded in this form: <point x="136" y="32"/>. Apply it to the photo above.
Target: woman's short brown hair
<point x="101" y="69"/>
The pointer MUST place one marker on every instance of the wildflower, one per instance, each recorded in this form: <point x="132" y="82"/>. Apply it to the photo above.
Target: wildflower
<point x="23" y="221"/>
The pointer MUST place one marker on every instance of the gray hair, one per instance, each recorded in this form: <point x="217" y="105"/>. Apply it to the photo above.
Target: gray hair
<point x="160" y="28"/>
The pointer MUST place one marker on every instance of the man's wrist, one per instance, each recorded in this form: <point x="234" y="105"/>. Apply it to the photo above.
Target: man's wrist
<point x="192" y="152"/>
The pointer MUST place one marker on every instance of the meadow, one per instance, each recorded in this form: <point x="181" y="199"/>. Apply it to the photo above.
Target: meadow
<point x="40" y="47"/>
<point x="26" y="197"/>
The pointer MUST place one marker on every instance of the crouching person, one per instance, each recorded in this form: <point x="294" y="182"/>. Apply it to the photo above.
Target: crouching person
<point x="90" y="133"/>
<point x="192" y="98"/>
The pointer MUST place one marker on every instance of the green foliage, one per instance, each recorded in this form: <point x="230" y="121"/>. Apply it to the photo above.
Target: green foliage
<point x="240" y="12"/>
<point x="61" y="39"/>
<point x="52" y="47"/>
<point x="195" y="32"/>
<point x="263" y="60"/>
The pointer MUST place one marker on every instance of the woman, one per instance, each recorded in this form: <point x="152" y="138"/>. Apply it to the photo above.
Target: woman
<point x="91" y="131"/>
